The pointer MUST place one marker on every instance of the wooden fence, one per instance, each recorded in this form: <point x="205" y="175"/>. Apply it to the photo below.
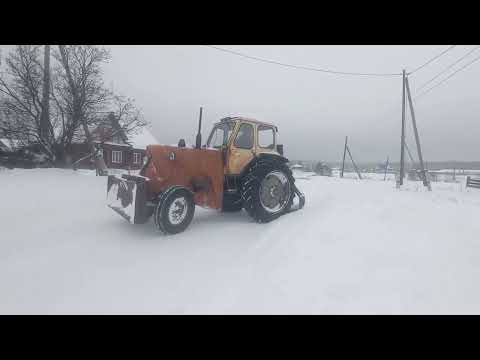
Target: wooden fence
<point x="474" y="183"/>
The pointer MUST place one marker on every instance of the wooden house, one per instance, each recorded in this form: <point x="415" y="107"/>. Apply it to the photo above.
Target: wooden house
<point x="119" y="150"/>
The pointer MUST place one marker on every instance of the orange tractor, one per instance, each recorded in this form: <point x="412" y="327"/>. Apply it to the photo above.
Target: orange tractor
<point x="240" y="167"/>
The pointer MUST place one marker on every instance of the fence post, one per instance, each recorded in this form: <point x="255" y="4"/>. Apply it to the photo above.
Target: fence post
<point x="386" y="168"/>
<point x="344" y="152"/>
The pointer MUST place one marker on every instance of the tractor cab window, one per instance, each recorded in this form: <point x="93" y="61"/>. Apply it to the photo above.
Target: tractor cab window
<point x="266" y="137"/>
<point x="220" y="135"/>
<point x="244" y="138"/>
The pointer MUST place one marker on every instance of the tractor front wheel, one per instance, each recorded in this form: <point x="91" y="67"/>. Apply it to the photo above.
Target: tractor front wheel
<point x="174" y="211"/>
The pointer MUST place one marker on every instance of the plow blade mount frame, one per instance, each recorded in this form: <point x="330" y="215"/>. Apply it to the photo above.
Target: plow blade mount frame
<point x="301" y="199"/>
<point x="128" y="197"/>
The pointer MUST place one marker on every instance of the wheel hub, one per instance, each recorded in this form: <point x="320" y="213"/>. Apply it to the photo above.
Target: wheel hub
<point x="178" y="210"/>
<point x="275" y="192"/>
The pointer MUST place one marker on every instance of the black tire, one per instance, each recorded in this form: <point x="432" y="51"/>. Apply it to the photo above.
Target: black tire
<point x="174" y="211"/>
<point x="149" y="210"/>
<point x="232" y="203"/>
<point x="251" y="186"/>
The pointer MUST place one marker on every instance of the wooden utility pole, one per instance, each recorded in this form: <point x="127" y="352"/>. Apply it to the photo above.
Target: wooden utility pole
<point x="344" y="153"/>
<point x="353" y="162"/>
<point x="386" y="168"/>
<point x="426" y="182"/>
<point x="410" y="154"/>
<point x="45" y="115"/>
<point x="402" y="141"/>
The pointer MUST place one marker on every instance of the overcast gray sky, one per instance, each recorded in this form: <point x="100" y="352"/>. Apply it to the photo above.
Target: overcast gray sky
<point x="314" y="111"/>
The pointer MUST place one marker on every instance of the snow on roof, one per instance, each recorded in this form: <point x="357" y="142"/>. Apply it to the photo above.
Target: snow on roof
<point x="142" y="139"/>
<point x="110" y="143"/>
<point x="246" y="119"/>
<point x="10" y="144"/>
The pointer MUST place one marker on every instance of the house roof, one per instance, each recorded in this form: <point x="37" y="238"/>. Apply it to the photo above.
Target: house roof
<point x="3" y="146"/>
<point x="9" y="145"/>
<point x="138" y="139"/>
<point x="111" y="143"/>
<point x="142" y="139"/>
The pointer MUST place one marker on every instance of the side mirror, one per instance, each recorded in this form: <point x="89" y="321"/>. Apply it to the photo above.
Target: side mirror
<point x="181" y="143"/>
<point x="280" y="149"/>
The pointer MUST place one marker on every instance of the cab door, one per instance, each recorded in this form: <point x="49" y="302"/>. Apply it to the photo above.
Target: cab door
<point x="242" y="149"/>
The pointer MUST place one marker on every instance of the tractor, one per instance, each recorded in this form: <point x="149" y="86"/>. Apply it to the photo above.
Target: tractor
<point x="241" y="166"/>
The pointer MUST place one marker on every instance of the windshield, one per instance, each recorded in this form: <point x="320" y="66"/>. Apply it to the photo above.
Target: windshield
<point x="220" y="134"/>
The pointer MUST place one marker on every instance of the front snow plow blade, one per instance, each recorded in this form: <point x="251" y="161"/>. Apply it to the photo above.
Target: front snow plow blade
<point x="127" y="197"/>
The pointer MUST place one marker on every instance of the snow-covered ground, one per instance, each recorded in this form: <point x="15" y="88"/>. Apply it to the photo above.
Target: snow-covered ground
<point x="357" y="247"/>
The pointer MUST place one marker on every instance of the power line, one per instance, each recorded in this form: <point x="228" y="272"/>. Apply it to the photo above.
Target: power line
<point x="448" y="77"/>
<point x="432" y="59"/>
<point x="301" y="67"/>
<point x="448" y="68"/>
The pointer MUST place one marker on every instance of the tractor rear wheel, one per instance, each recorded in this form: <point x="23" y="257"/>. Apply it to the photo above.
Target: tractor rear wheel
<point x="174" y="211"/>
<point x="267" y="191"/>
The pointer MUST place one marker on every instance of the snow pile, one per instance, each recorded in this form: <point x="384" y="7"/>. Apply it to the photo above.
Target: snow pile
<point x="358" y="246"/>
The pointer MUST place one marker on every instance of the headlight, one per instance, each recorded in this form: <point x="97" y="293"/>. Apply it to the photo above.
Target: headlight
<point x="146" y="159"/>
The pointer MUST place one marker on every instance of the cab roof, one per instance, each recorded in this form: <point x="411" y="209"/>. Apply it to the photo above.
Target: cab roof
<point x="241" y="118"/>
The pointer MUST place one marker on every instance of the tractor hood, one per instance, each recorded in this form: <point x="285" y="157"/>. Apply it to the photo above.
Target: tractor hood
<point x="199" y="170"/>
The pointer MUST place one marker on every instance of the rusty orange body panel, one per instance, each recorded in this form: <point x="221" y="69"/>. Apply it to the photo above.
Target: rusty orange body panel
<point x="200" y="170"/>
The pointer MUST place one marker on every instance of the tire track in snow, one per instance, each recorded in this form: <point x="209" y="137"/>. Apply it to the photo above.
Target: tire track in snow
<point x="277" y="247"/>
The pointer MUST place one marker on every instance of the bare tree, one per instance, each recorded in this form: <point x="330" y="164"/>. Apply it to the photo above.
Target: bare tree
<point x="123" y="120"/>
<point x="82" y="72"/>
<point x="21" y="86"/>
<point x="31" y="116"/>
<point x="72" y="96"/>
<point x="45" y="124"/>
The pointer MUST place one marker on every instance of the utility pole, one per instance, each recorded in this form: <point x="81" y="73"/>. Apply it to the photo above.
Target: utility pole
<point x="417" y="138"/>
<point x="45" y="115"/>
<point x="402" y="141"/>
<point x="344" y="153"/>
<point x="410" y="154"/>
<point x="353" y="162"/>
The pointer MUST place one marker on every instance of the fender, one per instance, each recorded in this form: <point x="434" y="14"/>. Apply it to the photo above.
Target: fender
<point x="232" y="181"/>
<point x="169" y="189"/>
<point x="273" y="159"/>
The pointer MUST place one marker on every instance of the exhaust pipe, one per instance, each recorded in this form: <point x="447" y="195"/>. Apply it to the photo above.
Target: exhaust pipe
<point x="199" y="135"/>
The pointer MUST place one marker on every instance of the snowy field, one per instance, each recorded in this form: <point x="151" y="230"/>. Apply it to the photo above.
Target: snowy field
<point x="357" y="247"/>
